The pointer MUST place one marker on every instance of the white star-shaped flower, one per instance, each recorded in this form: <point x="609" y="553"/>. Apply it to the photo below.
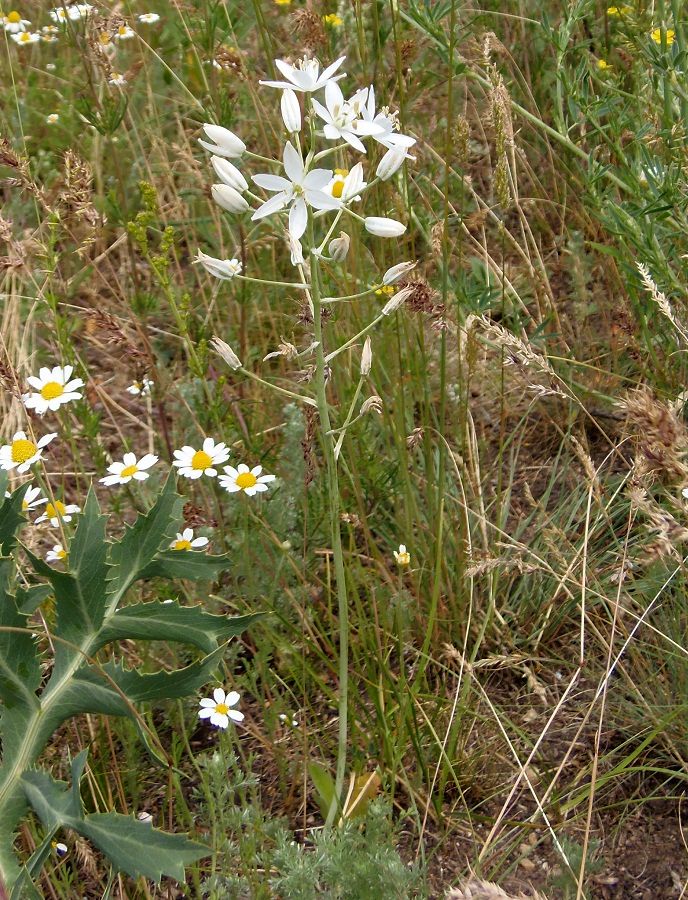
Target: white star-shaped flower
<point x="305" y="76"/>
<point x="341" y="119"/>
<point x="218" y="709"/>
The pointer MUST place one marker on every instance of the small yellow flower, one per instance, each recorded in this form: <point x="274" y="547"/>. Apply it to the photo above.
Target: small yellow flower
<point x="602" y="65"/>
<point x="657" y="36"/>
<point x="385" y="291"/>
<point x="333" y="20"/>
<point x="282" y="2"/>
<point x="618" y="10"/>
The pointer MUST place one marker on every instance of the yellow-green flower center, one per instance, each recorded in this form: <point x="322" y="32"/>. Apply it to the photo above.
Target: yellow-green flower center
<point x="23" y="450"/>
<point x="52" y="390"/>
<point x="222" y="708"/>
<point x="201" y="460"/>
<point x="13" y="17"/>
<point x="128" y="472"/>
<point x="182" y="545"/>
<point x="55" y="511"/>
<point x="246" y="480"/>
<point x="24" y="36"/>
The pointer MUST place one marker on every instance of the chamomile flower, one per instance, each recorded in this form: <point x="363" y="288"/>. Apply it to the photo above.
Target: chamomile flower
<point x="25" y="37"/>
<point x="130" y="467"/>
<point x="142" y="387"/>
<point x="250" y="481"/>
<point x="306" y="75"/>
<point x="149" y="18"/>
<point x="402" y="556"/>
<point x="124" y="33"/>
<point x="657" y="36"/>
<point x="49" y="34"/>
<point x="32" y="498"/>
<point x="52" y="118"/>
<point x="13" y="22"/>
<point x="52" y="387"/>
<point x="79" y="11"/>
<point x="300" y="189"/>
<point x="22" y="453"/>
<point x="218" y="710"/>
<point x="117" y="79"/>
<point x="57" y="554"/>
<point x="56" y="512"/>
<point x="194" y="463"/>
<point x="186" y="541"/>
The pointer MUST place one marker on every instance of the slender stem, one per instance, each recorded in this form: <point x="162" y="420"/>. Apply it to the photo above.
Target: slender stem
<point x="276" y="387"/>
<point x="287" y="284"/>
<point x="328" y="443"/>
<point x="355" y="338"/>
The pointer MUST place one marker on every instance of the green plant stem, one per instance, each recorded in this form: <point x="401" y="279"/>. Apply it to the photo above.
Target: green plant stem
<point x="333" y="502"/>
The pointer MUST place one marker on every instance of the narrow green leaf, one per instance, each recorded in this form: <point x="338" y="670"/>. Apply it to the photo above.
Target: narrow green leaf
<point x="324" y="786"/>
<point x="158" y="621"/>
<point x="11" y="517"/>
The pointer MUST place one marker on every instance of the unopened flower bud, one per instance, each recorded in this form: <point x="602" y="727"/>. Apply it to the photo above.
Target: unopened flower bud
<point x="366" y="357"/>
<point x="228" y="198"/>
<point x="291" y="111"/>
<point x="229" y="174"/>
<point x="339" y="247"/>
<point x="397" y="272"/>
<point x="225" y="351"/>
<point x="372" y="404"/>
<point x="382" y="227"/>
<point x="393" y="304"/>
<point x="220" y="268"/>
<point x="390" y="163"/>
<point x="145" y="817"/>
<point x="226" y="142"/>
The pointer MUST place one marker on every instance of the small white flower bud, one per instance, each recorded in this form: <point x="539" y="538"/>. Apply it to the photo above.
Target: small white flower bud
<point x="382" y="227"/>
<point x="228" y="198"/>
<point x="393" y="304"/>
<point x="291" y="111"/>
<point x="145" y="817"/>
<point x="390" y="163"/>
<point x="225" y="351"/>
<point x="366" y="357"/>
<point x="226" y="142"/>
<point x="339" y="247"/>
<point x="220" y="268"/>
<point x="229" y="174"/>
<point x="397" y="272"/>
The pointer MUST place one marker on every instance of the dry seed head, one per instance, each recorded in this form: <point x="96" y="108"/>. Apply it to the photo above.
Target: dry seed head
<point x="372" y="404"/>
<point x="661" y="300"/>
<point x="310" y="29"/>
<point x="660" y="435"/>
<point x="225" y="351"/>
<point x="476" y="889"/>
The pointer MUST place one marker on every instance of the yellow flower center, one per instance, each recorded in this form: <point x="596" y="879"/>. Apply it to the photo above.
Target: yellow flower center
<point x="222" y="708"/>
<point x="23" y="450"/>
<point x="52" y="390"/>
<point x="201" y="460"/>
<point x="128" y="472"/>
<point x="182" y="545"/>
<point x="24" y="37"/>
<point x="246" y="480"/>
<point x="104" y="39"/>
<point x="61" y="553"/>
<point x="14" y="17"/>
<point x="55" y="511"/>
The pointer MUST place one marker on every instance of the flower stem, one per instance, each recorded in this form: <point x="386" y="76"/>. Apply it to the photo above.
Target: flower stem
<point x="328" y="442"/>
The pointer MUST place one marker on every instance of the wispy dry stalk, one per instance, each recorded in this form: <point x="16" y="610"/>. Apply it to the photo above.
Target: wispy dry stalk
<point x="660" y="436"/>
<point x="666" y="532"/>
<point x="661" y="300"/>
<point x="476" y="889"/>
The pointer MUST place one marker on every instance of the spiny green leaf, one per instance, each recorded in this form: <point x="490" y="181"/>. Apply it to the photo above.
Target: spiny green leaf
<point x="143" y="541"/>
<point x="11" y="518"/>
<point x="186" y="564"/>
<point x="132" y="846"/>
<point x="30" y="598"/>
<point x="158" y="621"/>
<point x="20" y="673"/>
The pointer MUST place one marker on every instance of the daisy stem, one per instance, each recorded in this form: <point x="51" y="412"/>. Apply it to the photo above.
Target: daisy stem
<point x="276" y="387"/>
<point x="333" y="502"/>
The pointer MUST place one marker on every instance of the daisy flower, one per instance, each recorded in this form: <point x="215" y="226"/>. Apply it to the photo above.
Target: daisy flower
<point x="13" y="22"/>
<point x="56" y="554"/>
<point x="305" y="75"/>
<point x="32" y="498"/>
<point x="402" y="556"/>
<point x="298" y="190"/>
<point x="49" y="33"/>
<point x="186" y="541"/>
<point x="22" y="453"/>
<point x="54" y="387"/>
<point x="194" y="463"/>
<point x="124" y="33"/>
<point x="250" y="481"/>
<point x="59" y="14"/>
<point x="140" y="387"/>
<point x="52" y="118"/>
<point x="149" y="18"/>
<point x="56" y="511"/>
<point x="26" y="37"/>
<point x="117" y="79"/>
<point x="123" y="472"/>
<point x="218" y="709"/>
